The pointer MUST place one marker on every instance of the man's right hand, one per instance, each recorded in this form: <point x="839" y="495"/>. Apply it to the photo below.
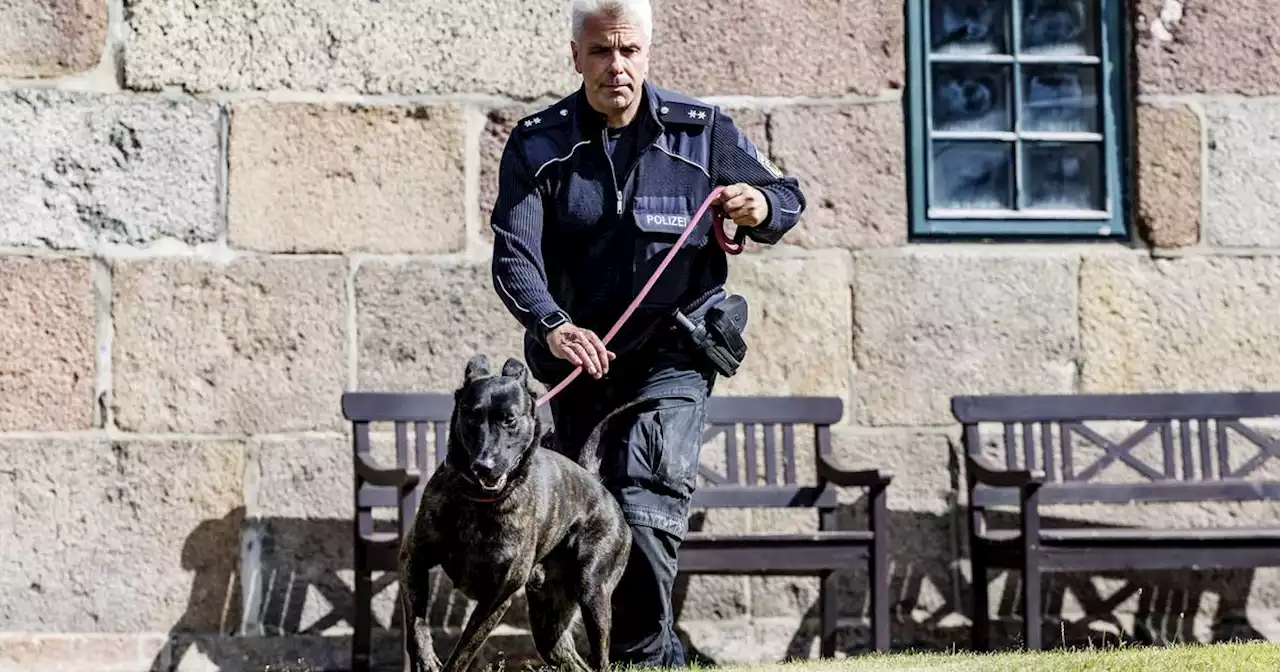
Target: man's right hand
<point x="580" y="347"/>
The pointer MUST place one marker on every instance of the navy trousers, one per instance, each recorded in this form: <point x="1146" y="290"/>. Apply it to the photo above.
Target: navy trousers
<point x="650" y="465"/>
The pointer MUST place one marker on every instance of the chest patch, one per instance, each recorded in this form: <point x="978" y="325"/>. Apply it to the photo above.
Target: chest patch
<point x="666" y="217"/>
<point x="655" y="221"/>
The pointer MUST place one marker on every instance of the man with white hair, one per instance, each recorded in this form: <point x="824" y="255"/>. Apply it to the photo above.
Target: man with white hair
<point x="593" y="192"/>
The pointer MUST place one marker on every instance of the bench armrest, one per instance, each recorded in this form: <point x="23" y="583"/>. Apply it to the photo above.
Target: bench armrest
<point x="370" y="472"/>
<point x="830" y="471"/>
<point x="987" y="473"/>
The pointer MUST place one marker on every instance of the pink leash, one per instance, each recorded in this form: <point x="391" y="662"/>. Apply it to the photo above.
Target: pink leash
<point x="725" y="244"/>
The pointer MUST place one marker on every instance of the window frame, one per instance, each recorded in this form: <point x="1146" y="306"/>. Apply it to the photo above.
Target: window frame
<point x="1113" y="87"/>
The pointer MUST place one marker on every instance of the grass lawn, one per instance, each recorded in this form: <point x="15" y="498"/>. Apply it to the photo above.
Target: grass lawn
<point x="1193" y="658"/>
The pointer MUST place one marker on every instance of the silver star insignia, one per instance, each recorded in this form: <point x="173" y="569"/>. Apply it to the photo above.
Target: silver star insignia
<point x="533" y="121"/>
<point x="693" y="114"/>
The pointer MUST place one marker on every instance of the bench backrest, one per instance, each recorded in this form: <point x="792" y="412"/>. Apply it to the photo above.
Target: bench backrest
<point x="1195" y="430"/>
<point x="768" y="432"/>
<point x="758" y="471"/>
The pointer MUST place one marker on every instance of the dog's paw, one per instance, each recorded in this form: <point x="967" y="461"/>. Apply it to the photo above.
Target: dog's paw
<point x="431" y="664"/>
<point x="537" y="578"/>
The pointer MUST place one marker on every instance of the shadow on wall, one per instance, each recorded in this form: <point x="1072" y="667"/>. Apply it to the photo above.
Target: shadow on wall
<point x="930" y="598"/>
<point x="1082" y="608"/>
<point x="286" y="591"/>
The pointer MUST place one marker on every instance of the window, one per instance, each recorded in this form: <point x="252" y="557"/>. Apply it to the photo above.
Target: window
<point x="1016" y="118"/>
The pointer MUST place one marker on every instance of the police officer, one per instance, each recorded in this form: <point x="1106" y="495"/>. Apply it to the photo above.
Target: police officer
<point x="593" y="192"/>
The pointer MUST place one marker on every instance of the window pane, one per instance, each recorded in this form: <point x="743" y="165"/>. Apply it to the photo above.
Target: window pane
<point x="971" y="97"/>
<point x="1059" y="27"/>
<point x="1059" y="98"/>
<point x="972" y="175"/>
<point x="1063" y="176"/>
<point x="969" y="26"/>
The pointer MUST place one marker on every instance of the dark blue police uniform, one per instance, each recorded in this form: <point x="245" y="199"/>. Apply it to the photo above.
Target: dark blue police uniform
<point x="583" y="217"/>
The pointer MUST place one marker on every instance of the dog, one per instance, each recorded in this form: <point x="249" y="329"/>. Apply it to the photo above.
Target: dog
<point x="504" y="512"/>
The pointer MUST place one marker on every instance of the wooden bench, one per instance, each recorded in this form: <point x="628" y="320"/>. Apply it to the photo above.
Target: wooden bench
<point x="1040" y="436"/>
<point x="420" y="428"/>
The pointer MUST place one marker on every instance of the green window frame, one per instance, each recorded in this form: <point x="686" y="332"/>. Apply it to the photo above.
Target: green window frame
<point x="1042" y="165"/>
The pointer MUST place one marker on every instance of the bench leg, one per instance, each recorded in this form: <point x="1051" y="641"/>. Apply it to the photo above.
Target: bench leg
<point x="1031" y="595"/>
<point x="362" y="635"/>
<point x="879" y="575"/>
<point x="830" y="613"/>
<point x="361" y="639"/>
<point x="1031" y="624"/>
<point x="981" y="632"/>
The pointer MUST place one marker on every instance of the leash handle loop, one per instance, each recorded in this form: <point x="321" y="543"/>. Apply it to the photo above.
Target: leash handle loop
<point x="735" y="247"/>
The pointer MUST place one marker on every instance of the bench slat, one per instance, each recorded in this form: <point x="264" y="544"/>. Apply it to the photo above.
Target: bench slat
<point x="1098" y="535"/>
<point x="1206" y="452"/>
<point x="397" y="406"/>
<point x="1046" y="447"/>
<point x="1081" y="407"/>
<point x="731" y="453"/>
<point x="402" y="444"/>
<point x="770" y="454"/>
<point x="739" y="496"/>
<point x="777" y="410"/>
<point x="779" y="538"/>
<point x="377" y="495"/>
<point x="760" y="554"/>
<point x="1188" y="458"/>
<point x="1121" y="493"/>
<point x="789" y="448"/>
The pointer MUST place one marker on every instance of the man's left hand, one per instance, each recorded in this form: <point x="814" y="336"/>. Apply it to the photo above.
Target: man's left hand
<point x="744" y="204"/>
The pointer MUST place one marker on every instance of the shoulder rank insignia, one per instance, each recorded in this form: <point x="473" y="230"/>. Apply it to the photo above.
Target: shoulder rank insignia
<point x="552" y="116"/>
<point x="684" y="113"/>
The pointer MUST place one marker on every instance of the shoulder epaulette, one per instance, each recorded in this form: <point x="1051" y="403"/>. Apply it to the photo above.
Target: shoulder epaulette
<point x="676" y="112"/>
<point x="550" y="117"/>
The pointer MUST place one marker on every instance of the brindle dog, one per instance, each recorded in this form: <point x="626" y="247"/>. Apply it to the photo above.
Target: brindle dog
<point x="502" y="513"/>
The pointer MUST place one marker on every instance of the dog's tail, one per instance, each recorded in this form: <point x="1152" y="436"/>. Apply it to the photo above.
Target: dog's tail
<point x="589" y="454"/>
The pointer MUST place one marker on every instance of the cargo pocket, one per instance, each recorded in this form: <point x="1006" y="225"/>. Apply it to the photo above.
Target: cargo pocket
<point x="666" y="442"/>
<point x="659" y="222"/>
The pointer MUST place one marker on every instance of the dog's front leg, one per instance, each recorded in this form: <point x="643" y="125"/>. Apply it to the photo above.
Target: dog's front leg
<point x="420" y="652"/>
<point x="484" y="619"/>
<point x="418" y="556"/>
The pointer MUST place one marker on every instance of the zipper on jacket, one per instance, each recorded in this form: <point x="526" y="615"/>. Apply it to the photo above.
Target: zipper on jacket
<point x="604" y="145"/>
<point x="617" y="188"/>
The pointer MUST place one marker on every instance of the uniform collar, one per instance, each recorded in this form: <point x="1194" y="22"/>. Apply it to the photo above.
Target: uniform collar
<point x="588" y="122"/>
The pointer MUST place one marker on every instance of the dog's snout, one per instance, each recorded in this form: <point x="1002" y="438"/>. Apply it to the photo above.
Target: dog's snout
<point x="483" y="467"/>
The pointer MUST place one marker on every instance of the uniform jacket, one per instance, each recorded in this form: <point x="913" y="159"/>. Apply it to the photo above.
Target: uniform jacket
<point x="576" y="240"/>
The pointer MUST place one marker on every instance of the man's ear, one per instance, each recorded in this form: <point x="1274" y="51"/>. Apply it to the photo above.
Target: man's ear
<point x="477" y="367"/>
<point x="573" y="53"/>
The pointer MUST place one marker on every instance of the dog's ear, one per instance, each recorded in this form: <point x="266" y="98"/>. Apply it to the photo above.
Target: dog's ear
<point x="477" y="367"/>
<point x="514" y="368"/>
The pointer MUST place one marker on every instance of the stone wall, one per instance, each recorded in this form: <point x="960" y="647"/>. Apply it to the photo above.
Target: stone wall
<point x="218" y="216"/>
